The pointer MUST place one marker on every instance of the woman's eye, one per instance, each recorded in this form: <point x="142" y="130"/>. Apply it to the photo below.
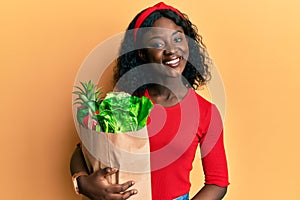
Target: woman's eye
<point x="178" y="39"/>
<point x="157" y="45"/>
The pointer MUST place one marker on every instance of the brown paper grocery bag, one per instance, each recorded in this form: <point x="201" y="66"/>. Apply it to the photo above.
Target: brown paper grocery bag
<point x="128" y="152"/>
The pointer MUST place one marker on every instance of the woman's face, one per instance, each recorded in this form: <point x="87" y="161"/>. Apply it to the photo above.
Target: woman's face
<point x="166" y="44"/>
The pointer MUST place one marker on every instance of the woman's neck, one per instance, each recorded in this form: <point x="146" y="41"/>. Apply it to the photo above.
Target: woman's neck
<point x="168" y="94"/>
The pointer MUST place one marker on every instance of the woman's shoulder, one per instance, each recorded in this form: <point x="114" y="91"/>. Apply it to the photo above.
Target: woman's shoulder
<point x="202" y="101"/>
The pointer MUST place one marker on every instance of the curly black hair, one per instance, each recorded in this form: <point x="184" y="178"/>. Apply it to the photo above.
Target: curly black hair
<point x="196" y="72"/>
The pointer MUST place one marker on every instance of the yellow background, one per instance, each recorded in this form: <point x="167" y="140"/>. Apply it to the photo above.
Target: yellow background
<point x="255" y="45"/>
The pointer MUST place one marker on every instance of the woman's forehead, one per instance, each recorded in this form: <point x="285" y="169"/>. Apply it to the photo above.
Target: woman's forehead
<point x="166" y="23"/>
<point x="163" y="26"/>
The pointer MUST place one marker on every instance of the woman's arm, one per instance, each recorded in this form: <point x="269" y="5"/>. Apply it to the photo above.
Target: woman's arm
<point x="95" y="186"/>
<point x="77" y="163"/>
<point x="214" y="160"/>
<point x="210" y="192"/>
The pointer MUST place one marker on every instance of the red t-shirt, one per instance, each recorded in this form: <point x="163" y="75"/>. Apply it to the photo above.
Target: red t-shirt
<point x="174" y="134"/>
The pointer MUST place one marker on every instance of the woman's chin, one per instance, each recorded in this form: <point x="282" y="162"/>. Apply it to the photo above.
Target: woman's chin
<point x="165" y="72"/>
<point x="172" y="72"/>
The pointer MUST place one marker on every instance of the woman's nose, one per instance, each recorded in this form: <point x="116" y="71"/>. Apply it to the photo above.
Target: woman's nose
<point x="170" y="48"/>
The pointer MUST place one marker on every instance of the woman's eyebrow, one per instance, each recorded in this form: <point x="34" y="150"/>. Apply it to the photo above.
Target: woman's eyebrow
<point x="159" y="37"/>
<point x="155" y="37"/>
<point x="178" y="31"/>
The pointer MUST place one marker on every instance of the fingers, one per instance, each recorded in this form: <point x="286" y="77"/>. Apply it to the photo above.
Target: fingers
<point x="109" y="171"/>
<point x="124" y="195"/>
<point x="118" y="188"/>
<point x="105" y="172"/>
<point x="113" y="191"/>
<point x="118" y="191"/>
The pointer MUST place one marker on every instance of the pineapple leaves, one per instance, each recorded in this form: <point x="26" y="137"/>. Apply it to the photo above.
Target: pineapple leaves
<point x="80" y="90"/>
<point x="87" y="95"/>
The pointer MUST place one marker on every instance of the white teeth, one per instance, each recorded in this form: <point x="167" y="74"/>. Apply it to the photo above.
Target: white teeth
<point x="172" y="61"/>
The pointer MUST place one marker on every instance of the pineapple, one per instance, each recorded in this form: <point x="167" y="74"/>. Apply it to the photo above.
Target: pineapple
<point x="88" y="100"/>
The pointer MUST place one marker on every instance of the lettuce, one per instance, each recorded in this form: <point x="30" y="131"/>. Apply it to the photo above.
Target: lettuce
<point x="120" y="112"/>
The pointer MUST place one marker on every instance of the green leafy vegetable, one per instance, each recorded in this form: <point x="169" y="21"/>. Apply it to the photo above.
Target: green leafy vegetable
<point x="120" y="112"/>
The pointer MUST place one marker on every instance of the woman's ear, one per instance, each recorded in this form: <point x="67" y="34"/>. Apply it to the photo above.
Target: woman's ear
<point x="142" y="54"/>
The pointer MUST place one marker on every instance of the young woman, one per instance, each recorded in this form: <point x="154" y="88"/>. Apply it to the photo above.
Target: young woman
<point x="166" y="61"/>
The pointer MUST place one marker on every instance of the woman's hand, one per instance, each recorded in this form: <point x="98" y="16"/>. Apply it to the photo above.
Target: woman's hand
<point x="210" y="192"/>
<point x="96" y="187"/>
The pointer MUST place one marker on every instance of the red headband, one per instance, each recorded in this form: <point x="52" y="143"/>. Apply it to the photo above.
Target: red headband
<point x="148" y="11"/>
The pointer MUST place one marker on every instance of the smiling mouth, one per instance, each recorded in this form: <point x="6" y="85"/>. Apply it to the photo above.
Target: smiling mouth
<point x="173" y="63"/>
